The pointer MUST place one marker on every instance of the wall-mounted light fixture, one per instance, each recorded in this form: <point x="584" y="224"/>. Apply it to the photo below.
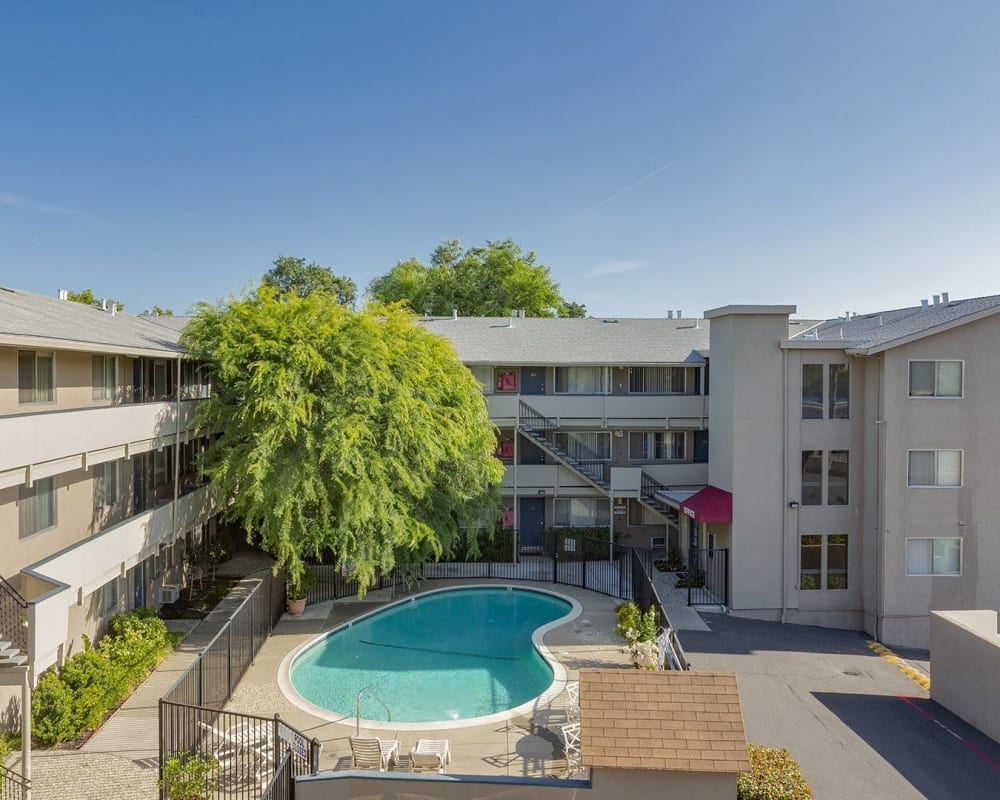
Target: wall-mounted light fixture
<point x="541" y="493"/>
<point x="793" y="504"/>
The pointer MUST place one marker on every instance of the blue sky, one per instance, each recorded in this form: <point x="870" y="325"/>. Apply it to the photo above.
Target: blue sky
<point x="665" y="155"/>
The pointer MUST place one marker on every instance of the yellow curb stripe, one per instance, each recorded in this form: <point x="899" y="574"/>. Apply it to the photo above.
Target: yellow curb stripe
<point x="914" y="674"/>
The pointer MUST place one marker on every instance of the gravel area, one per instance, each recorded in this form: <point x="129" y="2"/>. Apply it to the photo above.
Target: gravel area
<point x="96" y="776"/>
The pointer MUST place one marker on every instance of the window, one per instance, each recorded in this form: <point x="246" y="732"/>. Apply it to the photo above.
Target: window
<point x="109" y="596"/>
<point x="161" y="559"/>
<point x="822" y="561"/>
<point x="941" y="556"/>
<point x="585" y="445"/>
<point x="638" y="514"/>
<point x="935" y="468"/>
<point x="105" y="484"/>
<point x="656" y="445"/>
<point x="104" y="370"/>
<point x="935" y="379"/>
<point x="830" y="488"/>
<point x="812" y="391"/>
<point x="582" y="380"/>
<point x="505" y="446"/>
<point x="506" y="380"/>
<point x="159" y="380"/>
<point x="484" y="376"/>
<point x="657" y="380"/>
<point x="581" y="512"/>
<point x="37" y="507"/>
<point x="838" y="391"/>
<point x="35" y="377"/>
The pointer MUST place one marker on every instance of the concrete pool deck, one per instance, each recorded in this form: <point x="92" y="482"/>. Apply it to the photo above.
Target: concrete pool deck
<point x="525" y="745"/>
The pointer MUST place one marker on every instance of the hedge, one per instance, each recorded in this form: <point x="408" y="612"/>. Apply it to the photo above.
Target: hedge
<point x="773" y="775"/>
<point x="74" y="699"/>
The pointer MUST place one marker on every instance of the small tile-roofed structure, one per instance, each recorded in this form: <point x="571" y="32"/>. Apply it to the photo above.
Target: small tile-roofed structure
<point x="662" y="720"/>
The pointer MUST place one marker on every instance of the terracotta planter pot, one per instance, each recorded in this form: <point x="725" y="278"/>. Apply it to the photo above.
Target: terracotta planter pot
<point x="296" y="607"/>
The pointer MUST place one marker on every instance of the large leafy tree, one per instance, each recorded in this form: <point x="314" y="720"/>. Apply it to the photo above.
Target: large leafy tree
<point x="359" y="433"/>
<point x="294" y="274"/>
<point x="487" y="281"/>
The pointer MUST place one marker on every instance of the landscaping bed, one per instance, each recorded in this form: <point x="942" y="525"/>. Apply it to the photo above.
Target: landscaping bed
<point x="198" y="605"/>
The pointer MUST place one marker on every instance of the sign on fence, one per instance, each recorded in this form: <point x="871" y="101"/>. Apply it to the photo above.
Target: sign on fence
<point x="296" y="742"/>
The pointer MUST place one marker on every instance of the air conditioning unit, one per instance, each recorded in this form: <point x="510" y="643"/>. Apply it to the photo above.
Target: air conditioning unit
<point x="169" y="594"/>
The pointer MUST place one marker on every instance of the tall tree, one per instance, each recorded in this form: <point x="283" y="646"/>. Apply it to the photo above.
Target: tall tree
<point x="88" y="299"/>
<point x="294" y="274"/>
<point x="487" y="281"/>
<point x="356" y="432"/>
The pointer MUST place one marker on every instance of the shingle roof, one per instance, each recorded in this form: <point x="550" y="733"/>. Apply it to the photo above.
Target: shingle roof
<point x="673" y="720"/>
<point x="882" y="328"/>
<point x="29" y="315"/>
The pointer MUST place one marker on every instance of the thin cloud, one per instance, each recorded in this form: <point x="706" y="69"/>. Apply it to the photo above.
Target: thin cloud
<point x="616" y="266"/>
<point x="639" y="182"/>
<point x="12" y="200"/>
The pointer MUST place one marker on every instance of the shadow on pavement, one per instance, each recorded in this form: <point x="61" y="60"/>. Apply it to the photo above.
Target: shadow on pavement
<point x="735" y="636"/>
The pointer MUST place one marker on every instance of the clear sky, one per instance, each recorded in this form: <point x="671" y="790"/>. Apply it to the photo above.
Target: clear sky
<point x="664" y="155"/>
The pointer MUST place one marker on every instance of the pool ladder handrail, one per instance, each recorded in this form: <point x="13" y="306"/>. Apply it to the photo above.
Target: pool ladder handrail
<point x="357" y="708"/>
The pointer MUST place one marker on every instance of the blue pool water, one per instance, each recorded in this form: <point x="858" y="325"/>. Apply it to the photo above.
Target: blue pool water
<point x="445" y="656"/>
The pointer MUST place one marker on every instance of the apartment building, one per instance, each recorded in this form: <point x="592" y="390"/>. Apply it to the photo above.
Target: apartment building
<point x="852" y="469"/>
<point x="100" y="492"/>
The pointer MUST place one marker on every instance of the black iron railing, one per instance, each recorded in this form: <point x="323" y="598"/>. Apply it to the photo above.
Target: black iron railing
<point x="707" y="578"/>
<point x="13" y="616"/>
<point x="576" y="455"/>
<point x="648" y="488"/>
<point x="644" y="595"/>
<point x="13" y="786"/>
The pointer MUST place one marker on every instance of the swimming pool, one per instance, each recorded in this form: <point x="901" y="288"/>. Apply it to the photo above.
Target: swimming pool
<point x="446" y="656"/>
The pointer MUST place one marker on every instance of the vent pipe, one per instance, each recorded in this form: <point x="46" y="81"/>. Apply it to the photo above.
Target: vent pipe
<point x="64" y="294"/>
<point x="923" y="304"/>
<point x="454" y="313"/>
<point x="944" y="298"/>
<point x="678" y="313"/>
<point x="670" y="314"/>
<point x="937" y="299"/>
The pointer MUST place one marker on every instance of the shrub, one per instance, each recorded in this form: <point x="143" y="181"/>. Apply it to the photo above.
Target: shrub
<point x="635" y="625"/>
<point x="190" y="777"/>
<point x="52" y="710"/>
<point x="675" y="561"/>
<point x="773" y="775"/>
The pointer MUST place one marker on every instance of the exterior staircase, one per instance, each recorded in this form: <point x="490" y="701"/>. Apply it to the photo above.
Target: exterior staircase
<point x="544" y="432"/>
<point x="13" y="630"/>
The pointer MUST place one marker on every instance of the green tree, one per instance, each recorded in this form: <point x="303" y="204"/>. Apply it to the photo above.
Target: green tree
<point x="294" y="274"/>
<point x="356" y="432"/>
<point x="487" y="281"/>
<point x="87" y="298"/>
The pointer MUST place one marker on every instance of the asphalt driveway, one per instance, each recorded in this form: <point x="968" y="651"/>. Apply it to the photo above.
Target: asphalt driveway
<point x="856" y="724"/>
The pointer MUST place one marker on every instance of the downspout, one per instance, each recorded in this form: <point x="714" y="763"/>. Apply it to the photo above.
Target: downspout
<point x="517" y="502"/>
<point x="784" y="484"/>
<point x="879" y="502"/>
<point x="177" y="451"/>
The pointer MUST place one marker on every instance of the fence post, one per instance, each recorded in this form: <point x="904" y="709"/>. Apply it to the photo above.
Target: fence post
<point x="253" y="629"/>
<point x="584" y="543"/>
<point x="229" y="658"/>
<point x="555" y="558"/>
<point x="159" y="717"/>
<point x="201" y="681"/>
<point x="314" y="749"/>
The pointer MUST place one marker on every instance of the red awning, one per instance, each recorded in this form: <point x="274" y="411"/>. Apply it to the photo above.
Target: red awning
<point x="710" y="505"/>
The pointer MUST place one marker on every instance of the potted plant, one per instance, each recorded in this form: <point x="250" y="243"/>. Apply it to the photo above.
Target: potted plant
<point x="297" y="588"/>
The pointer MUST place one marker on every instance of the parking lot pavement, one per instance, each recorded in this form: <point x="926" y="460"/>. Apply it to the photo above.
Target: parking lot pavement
<point x="855" y="723"/>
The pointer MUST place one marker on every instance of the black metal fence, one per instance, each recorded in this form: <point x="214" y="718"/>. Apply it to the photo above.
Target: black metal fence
<point x="13" y="616"/>
<point x="13" y="786"/>
<point x="708" y="578"/>
<point x="644" y="595"/>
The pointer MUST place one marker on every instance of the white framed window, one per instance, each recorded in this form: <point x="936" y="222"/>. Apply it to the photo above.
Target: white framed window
<point x="835" y="402"/>
<point x="582" y="380"/>
<point x="109" y="596"/>
<point x="104" y="373"/>
<point x="585" y="445"/>
<point x="656" y="445"/>
<point x="657" y="380"/>
<point x="934" y="556"/>
<point x="638" y="514"/>
<point x="37" y="507"/>
<point x="822" y="561"/>
<point x="159" y="380"/>
<point x="505" y="380"/>
<point x="105" y="484"/>
<point x="161" y="560"/>
<point x="934" y="468"/>
<point x="942" y="379"/>
<point x="36" y="378"/>
<point x="484" y="376"/>
<point x="581" y="512"/>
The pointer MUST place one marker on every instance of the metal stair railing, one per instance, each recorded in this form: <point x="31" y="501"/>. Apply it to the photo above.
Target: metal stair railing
<point x="648" y="488"/>
<point x="585" y="461"/>
<point x="13" y="616"/>
<point x="13" y="786"/>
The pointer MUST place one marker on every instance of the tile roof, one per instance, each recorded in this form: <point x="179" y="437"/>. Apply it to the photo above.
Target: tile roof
<point x="29" y="315"/>
<point x="673" y="720"/>
<point x="880" y="329"/>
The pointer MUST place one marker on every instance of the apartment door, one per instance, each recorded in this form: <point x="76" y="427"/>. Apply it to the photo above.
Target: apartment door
<point x="532" y="380"/>
<point x="532" y="522"/>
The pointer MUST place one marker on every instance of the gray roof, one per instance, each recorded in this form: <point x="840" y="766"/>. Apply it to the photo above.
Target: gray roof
<point x="879" y="330"/>
<point x="26" y="316"/>
<point x="174" y="323"/>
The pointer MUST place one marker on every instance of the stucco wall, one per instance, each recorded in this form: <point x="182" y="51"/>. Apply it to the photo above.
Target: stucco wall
<point x="965" y="663"/>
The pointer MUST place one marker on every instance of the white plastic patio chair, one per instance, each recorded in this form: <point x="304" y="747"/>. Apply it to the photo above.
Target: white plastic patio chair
<point x="371" y="752"/>
<point x="573" y="700"/>
<point x="571" y="746"/>
<point x="430" y="754"/>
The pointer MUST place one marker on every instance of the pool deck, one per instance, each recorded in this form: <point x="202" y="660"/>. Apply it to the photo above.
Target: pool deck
<point x="525" y="745"/>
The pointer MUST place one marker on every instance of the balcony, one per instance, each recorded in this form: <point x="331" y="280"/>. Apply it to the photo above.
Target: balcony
<point x="541" y="476"/>
<point x="66" y="435"/>
<point x="605" y="411"/>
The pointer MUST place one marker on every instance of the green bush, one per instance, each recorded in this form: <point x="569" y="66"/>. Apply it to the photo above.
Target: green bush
<point x="773" y="775"/>
<point x="635" y="625"/>
<point x="75" y="698"/>
<point x="190" y="777"/>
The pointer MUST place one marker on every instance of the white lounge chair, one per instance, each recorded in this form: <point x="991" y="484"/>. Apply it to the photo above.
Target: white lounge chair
<point x="371" y="752"/>
<point x="430" y="754"/>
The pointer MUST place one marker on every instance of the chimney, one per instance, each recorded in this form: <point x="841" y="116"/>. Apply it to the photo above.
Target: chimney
<point x="937" y="299"/>
<point x="944" y="298"/>
<point x="678" y="313"/>
<point x="670" y="314"/>
<point x="104" y="304"/>
<point x="64" y="294"/>
<point x="454" y="313"/>
<point x="923" y="304"/>
<point x="510" y="322"/>
<point x="114" y="308"/>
